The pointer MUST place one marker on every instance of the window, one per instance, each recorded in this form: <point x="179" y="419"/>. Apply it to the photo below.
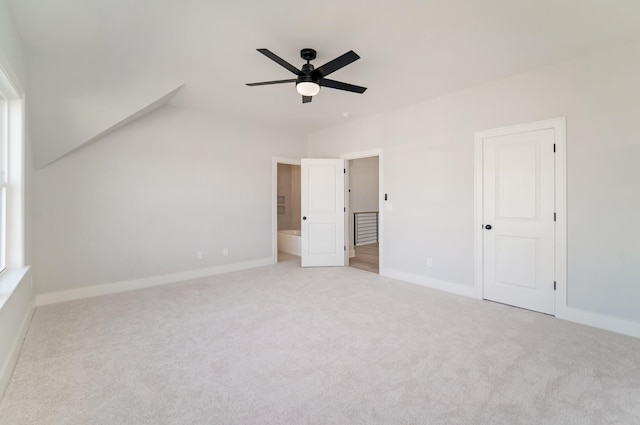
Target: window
<point x="4" y="149"/>
<point x="11" y="175"/>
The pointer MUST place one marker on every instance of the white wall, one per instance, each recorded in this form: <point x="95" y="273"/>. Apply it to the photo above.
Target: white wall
<point x="363" y="190"/>
<point x="143" y="200"/>
<point x="16" y="310"/>
<point x="76" y="99"/>
<point x="363" y="184"/>
<point x="429" y="173"/>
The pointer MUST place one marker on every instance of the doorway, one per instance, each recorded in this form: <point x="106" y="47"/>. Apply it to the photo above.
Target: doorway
<point x="519" y="191"/>
<point x="364" y="199"/>
<point x="363" y="214"/>
<point x="320" y="198"/>
<point x="286" y="204"/>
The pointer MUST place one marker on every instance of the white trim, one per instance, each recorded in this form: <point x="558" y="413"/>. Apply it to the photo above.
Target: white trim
<point x="380" y="154"/>
<point x="274" y="202"/>
<point x="14" y="243"/>
<point x="8" y="84"/>
<point x="147" y="282"/>
<point x="559" y="127"/>
<point x="362" y="154"/>
<point x="15" y="316"/>
<point x="441" y="285"/>
<point x="609" y="323"/>
<point x="12" y="359"/>
<point x="10" y="279"/>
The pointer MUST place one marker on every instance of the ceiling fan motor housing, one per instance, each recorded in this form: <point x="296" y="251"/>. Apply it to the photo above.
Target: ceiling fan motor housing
<point x="307" y="75"/>
<point x="308" y="54"/>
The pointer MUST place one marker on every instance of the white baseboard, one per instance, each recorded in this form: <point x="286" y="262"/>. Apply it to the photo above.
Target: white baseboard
<point x="147" y="282"/>
<point x="596" y="320"/>
<point x="441" y="285"/>
<point x="601" y="321"/>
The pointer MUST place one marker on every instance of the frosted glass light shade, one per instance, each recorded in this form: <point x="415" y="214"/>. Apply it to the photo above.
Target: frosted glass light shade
<point x="308" y="88"/>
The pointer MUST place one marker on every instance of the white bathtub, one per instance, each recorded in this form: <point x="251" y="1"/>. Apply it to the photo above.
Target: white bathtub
<point x="289" y="241"/>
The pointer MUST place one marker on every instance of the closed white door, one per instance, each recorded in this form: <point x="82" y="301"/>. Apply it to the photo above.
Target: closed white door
<point x="323" y="212"/>
<point x="518" y="220"/>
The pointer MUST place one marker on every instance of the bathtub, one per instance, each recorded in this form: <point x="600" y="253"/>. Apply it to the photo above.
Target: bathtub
<point x="289" y="241"/>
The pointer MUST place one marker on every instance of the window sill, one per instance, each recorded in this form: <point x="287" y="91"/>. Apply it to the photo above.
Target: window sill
<point x="9" y="281"/>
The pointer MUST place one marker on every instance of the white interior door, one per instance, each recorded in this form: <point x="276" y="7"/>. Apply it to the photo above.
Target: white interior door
<point x="323" y="212"/>
<point x="518" y="218"/>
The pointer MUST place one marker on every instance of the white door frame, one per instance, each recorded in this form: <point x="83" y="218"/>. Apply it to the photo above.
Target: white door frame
<point x="559" y="127"/>
<point x="274" y="202"/>
<point x="369" y="154"/>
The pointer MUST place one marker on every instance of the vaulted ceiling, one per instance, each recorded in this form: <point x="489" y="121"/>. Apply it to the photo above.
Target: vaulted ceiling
<point x="410" y="50"/>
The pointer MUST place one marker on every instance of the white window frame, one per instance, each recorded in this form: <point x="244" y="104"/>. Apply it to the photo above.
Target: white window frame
<point x="4" y="181"/>
<point x="12" y="174"/>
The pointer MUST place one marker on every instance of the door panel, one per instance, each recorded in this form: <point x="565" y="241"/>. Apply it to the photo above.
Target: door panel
<point x="323" y="212"/>
<point x="519" y="247"/>
<point x="516" y="181"/>
<point x="516" y="261"/>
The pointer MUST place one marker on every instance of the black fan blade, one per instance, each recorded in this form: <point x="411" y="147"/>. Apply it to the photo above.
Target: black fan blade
<point x="264" y="83"/>
<point x="336" y="64"/>
<point x="306" y="99"/>
<point x="277" y="59"/>
<point x="342" y="86"/>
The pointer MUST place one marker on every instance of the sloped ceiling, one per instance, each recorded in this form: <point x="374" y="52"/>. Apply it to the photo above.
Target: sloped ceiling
<point x="411" y="49"/>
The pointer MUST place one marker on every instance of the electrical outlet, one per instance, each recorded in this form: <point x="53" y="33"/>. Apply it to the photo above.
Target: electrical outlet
<point x="225" y="252"/>
<point x="199" y="255"/>
<point x="429" y="262"/>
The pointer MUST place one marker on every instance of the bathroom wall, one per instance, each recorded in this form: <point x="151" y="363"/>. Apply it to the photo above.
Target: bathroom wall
<point x="296" y="202"/>
<point x="284" y="196"/>
<point x="288" y="197"/>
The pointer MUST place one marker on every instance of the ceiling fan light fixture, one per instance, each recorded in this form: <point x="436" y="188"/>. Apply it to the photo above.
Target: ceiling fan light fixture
<point x="309" y="79"/>
<point x="308" y="88"/>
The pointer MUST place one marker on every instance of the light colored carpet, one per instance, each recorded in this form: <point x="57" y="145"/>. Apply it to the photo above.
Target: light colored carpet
<point x="285" y="345"/>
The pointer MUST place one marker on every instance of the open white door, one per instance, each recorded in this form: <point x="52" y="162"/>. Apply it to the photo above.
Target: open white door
<point x="322" y="212"/>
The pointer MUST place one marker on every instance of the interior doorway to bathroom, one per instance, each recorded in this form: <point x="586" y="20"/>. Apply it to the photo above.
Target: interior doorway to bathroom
<point x="287" y="206"/>
<point x="363" y="209"/>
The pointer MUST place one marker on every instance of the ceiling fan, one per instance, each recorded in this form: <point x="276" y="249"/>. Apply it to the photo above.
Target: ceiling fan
<point x="310" y="79"/>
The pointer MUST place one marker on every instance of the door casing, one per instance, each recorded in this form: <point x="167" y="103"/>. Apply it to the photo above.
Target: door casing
<point x="361" y="155"/>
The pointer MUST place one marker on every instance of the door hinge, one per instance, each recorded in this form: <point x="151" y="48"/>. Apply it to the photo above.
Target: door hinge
<point x="554" y="147"/>
<point x="345" y="170"/>
<point x="554" y="285"/>
<point x="345" y="209"/>
<point x="345" y="247"/>
<point x="554" y="216"/>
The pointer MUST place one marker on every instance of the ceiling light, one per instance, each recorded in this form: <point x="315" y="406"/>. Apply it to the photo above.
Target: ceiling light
<point x="307" y="88"/>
